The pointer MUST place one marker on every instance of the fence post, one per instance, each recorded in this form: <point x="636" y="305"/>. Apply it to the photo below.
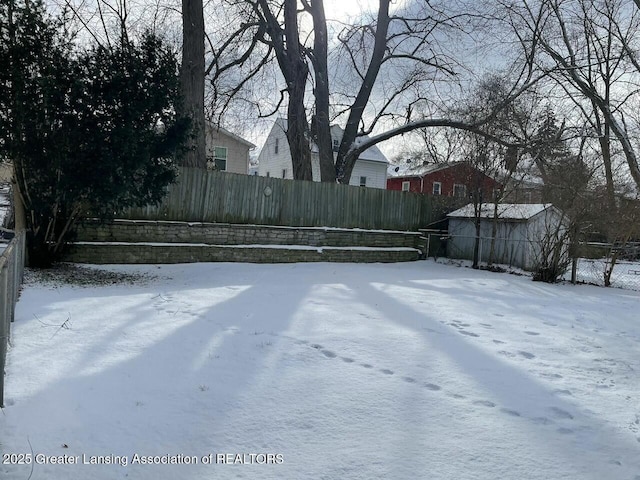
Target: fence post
<point x="4" y="323"/>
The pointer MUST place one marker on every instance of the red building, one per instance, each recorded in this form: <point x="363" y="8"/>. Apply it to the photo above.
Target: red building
<point x="451" y="180"/>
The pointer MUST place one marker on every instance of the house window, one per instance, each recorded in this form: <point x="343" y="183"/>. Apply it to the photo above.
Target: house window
<point x="406" y="186"/>
<point x="284" y="173"/>
<point x="277" y="147"/>
<point x="336" y="144"/>
<point x="268" y="174"/>
<point x="459" y="190"/>
<point x="437" y="188"/>
<point x="220" y="158"/>
<point x="363" y="181"/>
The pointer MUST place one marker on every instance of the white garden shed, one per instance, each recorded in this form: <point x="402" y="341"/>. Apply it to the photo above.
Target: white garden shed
<point x="522" y="230"/>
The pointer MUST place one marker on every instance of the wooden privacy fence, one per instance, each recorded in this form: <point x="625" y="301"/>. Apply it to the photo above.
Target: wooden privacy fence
<point x="209" y="196"/>
<point x="11" y="269"/>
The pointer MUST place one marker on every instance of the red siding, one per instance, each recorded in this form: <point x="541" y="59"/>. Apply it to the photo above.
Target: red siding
<point x="462" y="174"/>
<point x="395" y="183"/>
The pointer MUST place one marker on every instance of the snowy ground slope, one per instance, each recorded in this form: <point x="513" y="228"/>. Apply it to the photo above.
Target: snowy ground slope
<point x="395" y="371"/>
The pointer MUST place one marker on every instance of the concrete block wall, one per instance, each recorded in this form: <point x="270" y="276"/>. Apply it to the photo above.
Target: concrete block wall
<point x="181" y="253"/>
<point x="232" y="234"/>
<point x="126" y="241"/>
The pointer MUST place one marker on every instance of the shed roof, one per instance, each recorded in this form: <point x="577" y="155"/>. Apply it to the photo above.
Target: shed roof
<point x="506" y="211"/>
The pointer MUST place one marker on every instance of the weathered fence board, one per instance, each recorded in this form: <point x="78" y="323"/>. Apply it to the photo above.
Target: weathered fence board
<point x="207" y="196"/>
<point x="11" y="269"/>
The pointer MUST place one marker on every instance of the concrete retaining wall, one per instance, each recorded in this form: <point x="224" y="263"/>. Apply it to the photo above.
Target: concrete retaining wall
<point x="182" y="253"/>
<point x="231" y="234"/>
<point x="142" y="241"/>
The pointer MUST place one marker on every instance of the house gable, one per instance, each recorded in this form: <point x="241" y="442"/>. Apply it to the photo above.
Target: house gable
<point x="227" y="149"/>
<point x="275" y="159"/>
<point x="275" y="156"/>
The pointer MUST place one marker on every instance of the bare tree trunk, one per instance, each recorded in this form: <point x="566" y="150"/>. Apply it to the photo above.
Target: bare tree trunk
<point x="296" y="74"/>
<point x="605" y="147"/>
<point x="476" y="244"/>
<point x="494" y="231"/>
<point x="346" y="160"/>
<point x="192" y="81"/>
<point x="322" y="126"/>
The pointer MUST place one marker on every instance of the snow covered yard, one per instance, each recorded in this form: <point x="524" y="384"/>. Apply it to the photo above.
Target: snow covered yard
<point x="395" y="371"/>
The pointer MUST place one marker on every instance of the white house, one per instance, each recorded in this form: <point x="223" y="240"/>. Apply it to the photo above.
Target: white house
<point x="524" y="232"/>
<point x="274" y="160"/>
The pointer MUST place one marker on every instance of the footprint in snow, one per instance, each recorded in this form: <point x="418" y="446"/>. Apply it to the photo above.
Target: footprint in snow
<point x="316" y="346"/>
<point x="542" y="420"/>
<point x="432" y="386"/>
<point x="498" y="342"/>
<point x="431" y="330"/>
<point x="563" y="392"/>
<point x="457" y="395"/>
<point x="366" y="365"/>
<point x="386" y="371"/>
<point x="526" y="355"/>
<point x="347" y="359"/>
<point x="560" y="413"/>
<point x="498" y="315"/>
<point x="564" y="430"/>
<point x="469" y="334"/>
<point x="409" y="379"/>
<point x="484" y="403"/>
<point x="328" y="353"/>
<point x="508" y="411"/>
<point x="528" y="332"/>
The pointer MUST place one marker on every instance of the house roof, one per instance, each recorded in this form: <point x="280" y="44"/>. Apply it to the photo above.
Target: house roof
<point x="226" y="132"/>
<point x="372" y="154"/>
<point x="409" y="170"/>
<point x="506" y="211"/>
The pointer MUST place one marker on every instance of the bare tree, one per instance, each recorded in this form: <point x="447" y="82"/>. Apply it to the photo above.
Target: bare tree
<point x="588" y="48"/>
<point x="382" y="73"/>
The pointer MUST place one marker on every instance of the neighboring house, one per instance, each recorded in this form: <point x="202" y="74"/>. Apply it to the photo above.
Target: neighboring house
<point x="370" y="170"/>
<point x="523" y="232"/>
<point x="526" y="189"/>
<point x="226" y="151"/>
<point x="456" y="179"/>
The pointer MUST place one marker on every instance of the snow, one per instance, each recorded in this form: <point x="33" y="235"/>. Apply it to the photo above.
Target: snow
<point x="418" y="169"/>
<point x="348" y="371"/>
<point x="626" y="274"/>
<point x="507" y="211"/>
